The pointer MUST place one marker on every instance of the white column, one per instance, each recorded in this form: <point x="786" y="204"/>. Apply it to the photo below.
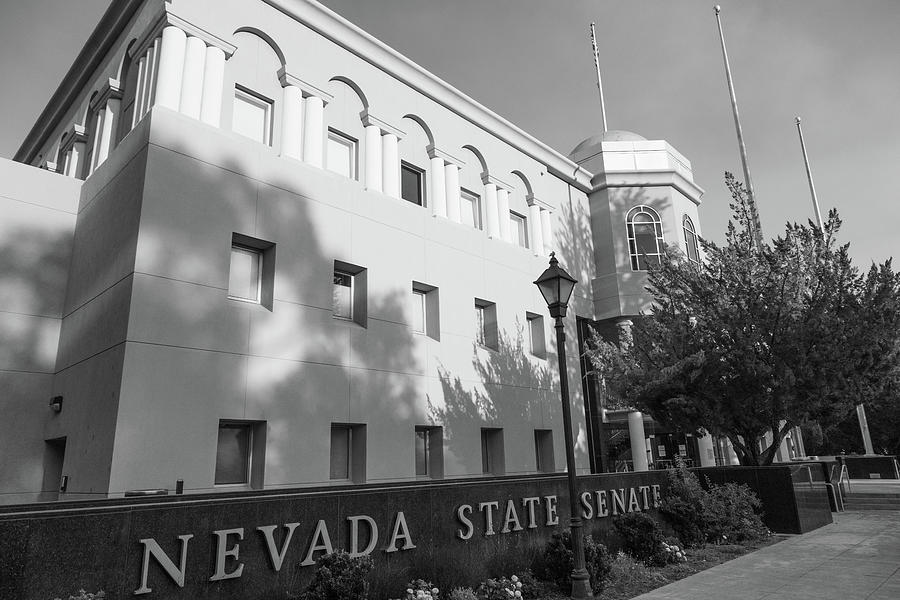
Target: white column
<point x="213" y="84"/>
<point x="438" y="187"/>
<point x="171" y="68"/>
<point x="451" y="177"/>
<point x="503" y="214"/>
<point x="731" y="455"/>
<point x="138" y="111"/>
<point x="798" y="441"/>
<point x="705" y="449"/>
<point x="638" y="441"/>
<point x="537" y="231"/>
<point x="95" y="141"/>
<point x="73" y="159"/>
<point x="313" y="132"/>
<point x="292" y="122"/>
<point x="373" y="158"/>
<point x="192" y="77"/>
<point x="107" y="127"/>
<point x="390" y="157"/>
<point x="546" y="231"/>
<point x="151" y="84"/>
<point x="490" y="207"/>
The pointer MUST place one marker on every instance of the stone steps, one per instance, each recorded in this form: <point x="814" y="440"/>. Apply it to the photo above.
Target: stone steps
<point x="871" y="501"/>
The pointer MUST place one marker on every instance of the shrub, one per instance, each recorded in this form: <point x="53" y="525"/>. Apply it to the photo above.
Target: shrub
<point x="83" y="595"/>
<point x="558" y="560"/>
<point x="420" y="589"/>
<point x="500" y="589"/>
<point x="629" y="577"/>
<point x="687" y="506"/>
<point x="641" y="537"/>
<point x="340" y="577"/>
<point x="737" y="515"/>
<point x="463" y="593"/>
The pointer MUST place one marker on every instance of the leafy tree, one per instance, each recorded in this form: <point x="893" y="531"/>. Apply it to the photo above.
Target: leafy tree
<point x="759" y="338"/>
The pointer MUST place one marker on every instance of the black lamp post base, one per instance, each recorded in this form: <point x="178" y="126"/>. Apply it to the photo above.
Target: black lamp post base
<point x="581" y="585"/>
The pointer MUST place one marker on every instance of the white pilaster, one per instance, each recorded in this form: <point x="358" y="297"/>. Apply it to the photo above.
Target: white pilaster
<point x="138" y="111"/>
<point x="390" y="156"/>
<point x="638" y="441"/>
<point x="438" y="187"/>
<point x="171" y="67"/>
<point x="374" y="168"/>
<point x="96" y="135"/>
<point x="536" y="230"/>
<point x="192" y="77"/>
<point x="73" y="159"/>
<point x="213" y="84"/>
<point x="313" y="132"/>
<point x="490" y="207"/>
<point x="705" y="449"/>
<point x="503" y="213"/>
<point x="451" y="176"/>
<point x="292" y="122"/>
<point x="546" y="231"/>
<point x="108" y="127"/>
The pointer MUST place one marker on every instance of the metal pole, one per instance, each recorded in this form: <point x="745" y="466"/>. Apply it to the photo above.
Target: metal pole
<point x="748" y="182"/>
<point x="812" y="187"/>
<point x="599" y="81"/>
<point x="581" y="585"/>
<point x="864" y="428"/>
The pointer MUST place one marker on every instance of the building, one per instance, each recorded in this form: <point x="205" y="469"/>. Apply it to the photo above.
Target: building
<point x="249" y="246"/>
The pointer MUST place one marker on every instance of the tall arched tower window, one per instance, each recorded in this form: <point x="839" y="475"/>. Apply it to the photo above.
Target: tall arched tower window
<point x="645" y="238"/>
<point x="690" y="240"/>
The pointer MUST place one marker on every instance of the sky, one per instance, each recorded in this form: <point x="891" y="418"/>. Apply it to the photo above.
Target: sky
<point x="835" y="63"/>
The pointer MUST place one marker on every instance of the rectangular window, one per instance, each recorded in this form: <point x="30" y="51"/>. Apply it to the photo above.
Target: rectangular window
<point x="486" y="332"/>
<point x="543" y="450"/>
<point x="349" y="289"/>
<point x="425" y="316"/>
<point x="536" y="342"/>
<point x="422" y="452"/>
<point x="470" y="209"/>
<point x="412" y="184"/>
<point x="252" y="116"/>
<point x="429" y="450"/>
<point x="245" y="274"/>
<point x="517" y="229"/>
<point x="493" y="461"/>
<point x="340" y="154"/>
<point x="348" y="452"/>
<point x="240" y="453"/>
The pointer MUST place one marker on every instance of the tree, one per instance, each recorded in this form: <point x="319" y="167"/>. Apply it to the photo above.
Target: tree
<point x="759" y="338"/>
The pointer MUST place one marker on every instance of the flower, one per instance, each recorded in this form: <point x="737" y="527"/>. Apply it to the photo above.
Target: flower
<point x="518" y="594"/>
<point x="434" y="590"/>
<point x="514" y="579"/>
<point x="409" y="590"/>
<point x="518" y="585"/>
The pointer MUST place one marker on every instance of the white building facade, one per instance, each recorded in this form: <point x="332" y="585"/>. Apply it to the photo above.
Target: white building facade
<point x="264" y="250"/>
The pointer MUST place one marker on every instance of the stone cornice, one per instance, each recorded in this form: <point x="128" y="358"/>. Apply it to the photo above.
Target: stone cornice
<point x="664" y="178"/>
<point x="369" y="119"/>
<point x="358" y="42"/>
<point x="306" y="88"/>
<point x="110" y="90"/>
<point x="166" y="18"/>
<point x="76" y="133"/>
<point x="487" y="178"/>
<point x="435" y="152"/>
<point x="532" y="201"/>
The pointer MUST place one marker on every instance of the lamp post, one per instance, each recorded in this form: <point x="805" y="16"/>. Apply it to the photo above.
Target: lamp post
<point x="556" y="287"/>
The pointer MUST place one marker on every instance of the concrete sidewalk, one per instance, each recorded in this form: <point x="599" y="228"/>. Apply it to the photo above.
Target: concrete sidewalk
<point x="856" y="557"/>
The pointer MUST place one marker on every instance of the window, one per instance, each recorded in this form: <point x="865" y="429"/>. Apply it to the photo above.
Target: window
<point x="349" y="292"/>
<point x="425" y="310"/>
<point x="536" y="344"/>
<point x="645" y="238"/>
<point x="348" y="452"/>
<point x="240" y="453"/>
<point x="412" y="184"/>
<point x="470" y="209"/>
<point x="690" y="240"/>
<point x="252" y="116"/>
<point x="518" y="230"/>
<point x="543" y="450"/>
<point x="486" y="333"/>
<point x="251" y="273"/>
<point x="493" y="461"/>
<point x="429" y="443"/>
<point x="340" y="154"/>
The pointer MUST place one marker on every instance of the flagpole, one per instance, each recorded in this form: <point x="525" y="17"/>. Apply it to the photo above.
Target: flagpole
<point x="812" y="186"/>
<point x="599" y="81"/>
<point x="748" y="182"/>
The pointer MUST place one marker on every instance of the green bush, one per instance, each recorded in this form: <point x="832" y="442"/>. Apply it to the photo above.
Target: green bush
<point x="463" y="593"/>
<point x="558" y="560"/>
<point x="500" y="589"/>
<point x="737" y="517"/>
<point x="641" y="537"/>
<point x="687" y="507"/>
<point x="83" y="595"/>
<point x="340" y="577"/>
<point x="419" y="589"/>
<point x="629" y="577"/>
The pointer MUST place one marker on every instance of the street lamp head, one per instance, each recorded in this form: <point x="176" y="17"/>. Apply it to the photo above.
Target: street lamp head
<point x="556" y="287"/>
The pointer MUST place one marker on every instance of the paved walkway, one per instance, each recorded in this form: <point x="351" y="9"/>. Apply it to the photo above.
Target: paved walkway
<point x="856" y="557"/>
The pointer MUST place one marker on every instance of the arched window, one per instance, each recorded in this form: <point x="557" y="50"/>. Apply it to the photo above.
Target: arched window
<point x="690" y="240"/>
<point x="645" y="238"/>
